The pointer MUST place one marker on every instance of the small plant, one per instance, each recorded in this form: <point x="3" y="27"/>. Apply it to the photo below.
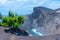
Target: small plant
<point x="15" y="25"/>
<point x="0" y="23"/>
<point x="4" y="19"/>
<point x="5" y="25"/>
<point x="9" y="21"/>
<point x="14" y="19"/>
<point x="21" y="19"/>
<point x="13" y="22"/>
<point x="0" y="16"/>
<point x="11" y="14"/>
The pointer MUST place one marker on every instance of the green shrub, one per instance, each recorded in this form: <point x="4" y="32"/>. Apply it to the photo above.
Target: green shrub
<point x="15" y="25"/>
<point x="12" y="20"/>
<point x="21" y="19"/>
<point x="5" y="25"/>
<point x="0" y="24"/>
<point x="0" y="16"/>
<point x="4" y="19"/>
<point x="11" y="14"/>
<point x="9" y="21"/>
<point x="15" y="19"/>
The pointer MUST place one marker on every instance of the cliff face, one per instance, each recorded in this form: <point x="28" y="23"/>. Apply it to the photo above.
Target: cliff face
<point x="44" y="20"/>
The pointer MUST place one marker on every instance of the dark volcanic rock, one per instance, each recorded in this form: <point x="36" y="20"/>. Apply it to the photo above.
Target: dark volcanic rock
<point x="17" y="31"/>
<point x="44" y="20"/>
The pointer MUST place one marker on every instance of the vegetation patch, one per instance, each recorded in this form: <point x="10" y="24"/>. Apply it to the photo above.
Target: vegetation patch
<point x="13" y="21"/>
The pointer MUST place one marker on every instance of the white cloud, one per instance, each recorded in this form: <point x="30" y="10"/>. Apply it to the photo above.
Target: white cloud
<point x="3" y="1"/>
<point x="42" y="2"/>
<point x="54" y="4"/>
<point x="35" y="3"/>
<point x="22" y="0"/>
<point x="28" y="6"/>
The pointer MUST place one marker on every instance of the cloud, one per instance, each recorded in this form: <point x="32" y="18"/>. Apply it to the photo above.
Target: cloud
<point x="19" y="5"/>
<point x="22" y="0"/>
<point x="26" y="5"/>
<point x="3" y="1"/>
<point x="53" y="4"/>
<point x="42" y="2"/>
<point x="35" y="3"/>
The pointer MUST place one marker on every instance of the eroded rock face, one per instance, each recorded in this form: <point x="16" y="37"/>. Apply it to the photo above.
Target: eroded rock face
<point x="44" y="20"/>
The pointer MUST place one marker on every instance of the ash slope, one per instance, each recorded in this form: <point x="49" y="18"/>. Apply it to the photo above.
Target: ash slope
<point x="44" y="20"/>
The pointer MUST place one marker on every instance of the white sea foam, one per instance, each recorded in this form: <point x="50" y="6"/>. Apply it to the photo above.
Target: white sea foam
<point x="34" y="32"/>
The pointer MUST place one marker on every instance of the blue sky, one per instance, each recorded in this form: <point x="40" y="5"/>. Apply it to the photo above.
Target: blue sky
<point x="24" y="7"/>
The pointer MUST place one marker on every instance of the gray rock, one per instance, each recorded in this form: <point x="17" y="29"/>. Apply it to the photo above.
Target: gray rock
<point x="44" y="20"/>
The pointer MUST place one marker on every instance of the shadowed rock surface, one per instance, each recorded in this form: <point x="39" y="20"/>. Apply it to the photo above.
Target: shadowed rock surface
<point x="16" y="31"/>
<point x="44" y="20"/>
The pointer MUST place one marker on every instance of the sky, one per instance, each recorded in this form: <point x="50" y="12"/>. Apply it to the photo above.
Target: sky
<point x="25" y="7"/>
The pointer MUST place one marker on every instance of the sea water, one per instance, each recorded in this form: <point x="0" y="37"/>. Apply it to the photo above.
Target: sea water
<point x="33" y="32"/>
